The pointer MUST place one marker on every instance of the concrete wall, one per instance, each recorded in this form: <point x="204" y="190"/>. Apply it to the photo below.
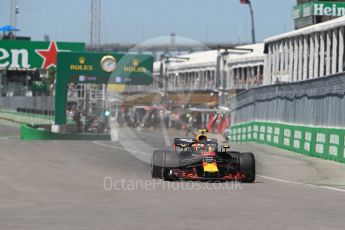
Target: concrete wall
<point x="306" y="117"/>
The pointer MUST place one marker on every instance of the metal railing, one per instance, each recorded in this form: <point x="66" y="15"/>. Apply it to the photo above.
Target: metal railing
<point x="28" y="118"/>
<point x="317" y="102"/>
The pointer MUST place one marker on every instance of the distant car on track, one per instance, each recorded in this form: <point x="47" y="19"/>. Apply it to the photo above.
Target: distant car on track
<point x="200" y="158"/>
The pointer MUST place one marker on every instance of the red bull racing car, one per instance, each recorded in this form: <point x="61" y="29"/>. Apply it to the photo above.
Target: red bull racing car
<point x="201" y="158"/>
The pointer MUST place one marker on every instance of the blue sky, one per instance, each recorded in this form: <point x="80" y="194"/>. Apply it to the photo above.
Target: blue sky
<point x="138" y="20"/>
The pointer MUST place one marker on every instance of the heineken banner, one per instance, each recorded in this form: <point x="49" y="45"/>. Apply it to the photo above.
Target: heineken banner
<point x="319" y="8"/>
<point x="17" y="54"/>
<point x="335" y="9"/>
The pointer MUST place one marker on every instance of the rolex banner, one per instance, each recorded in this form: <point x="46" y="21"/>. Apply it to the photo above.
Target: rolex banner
<point x="17" y="54"/>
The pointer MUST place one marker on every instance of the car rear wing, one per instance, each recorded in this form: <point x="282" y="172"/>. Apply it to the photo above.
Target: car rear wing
<point x="189" y="141"/>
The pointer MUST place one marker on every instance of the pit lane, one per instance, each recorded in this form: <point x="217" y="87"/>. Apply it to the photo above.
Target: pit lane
<point x="60" y="185"/>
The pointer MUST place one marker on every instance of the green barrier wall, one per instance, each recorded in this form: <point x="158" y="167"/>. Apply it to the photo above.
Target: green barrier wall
<point x="326" y="143"/>
<point x="29" y="133"/>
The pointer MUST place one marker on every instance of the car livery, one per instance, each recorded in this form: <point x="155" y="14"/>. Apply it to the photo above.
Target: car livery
<point x="201" y="158"/>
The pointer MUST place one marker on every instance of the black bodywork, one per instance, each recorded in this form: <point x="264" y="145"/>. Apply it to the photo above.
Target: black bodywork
<point x="210" y="162"/>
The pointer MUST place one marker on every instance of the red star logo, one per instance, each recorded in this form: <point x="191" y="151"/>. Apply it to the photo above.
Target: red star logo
<point x="49" y="55"/>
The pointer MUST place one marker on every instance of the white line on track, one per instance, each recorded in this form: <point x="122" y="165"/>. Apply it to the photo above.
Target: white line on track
<point x="262" y="176"/>
<point x="115" y="147"/>
<point x="299" y="183"/>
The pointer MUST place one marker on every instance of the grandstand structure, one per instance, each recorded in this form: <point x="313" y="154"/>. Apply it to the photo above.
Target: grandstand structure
<point x="308" y="53"/>
<point x="214" y="76"/>
<point x="208" y="77"/>
<point x="246" y="70"/>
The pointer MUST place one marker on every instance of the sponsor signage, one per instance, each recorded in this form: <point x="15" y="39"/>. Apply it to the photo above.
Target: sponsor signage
<point x="335" y="9"/>
<point x="17" y="54"/>
<point x="98" y="68"/>
<point x="115" y="68"/>
<point x="39" y="86"/>
<point x="319" y="8"/>
<point x="302" y="10"/>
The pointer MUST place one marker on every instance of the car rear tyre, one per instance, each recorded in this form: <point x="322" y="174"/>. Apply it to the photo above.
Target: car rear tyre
<point x="157" y="164"/>
<point x="247" y="167"/>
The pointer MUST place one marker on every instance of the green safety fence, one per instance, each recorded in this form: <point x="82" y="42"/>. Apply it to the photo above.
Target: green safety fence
<point x="26" y="117"/>
<point x="325" y="143"/>
<point x="29" y="118"/>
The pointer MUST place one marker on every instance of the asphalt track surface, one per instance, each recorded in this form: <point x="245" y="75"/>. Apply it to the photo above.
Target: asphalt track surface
<point x="60" y="185"/>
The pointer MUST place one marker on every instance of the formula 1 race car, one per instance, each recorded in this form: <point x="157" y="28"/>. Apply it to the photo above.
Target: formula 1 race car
<point x="199" y="158"/>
